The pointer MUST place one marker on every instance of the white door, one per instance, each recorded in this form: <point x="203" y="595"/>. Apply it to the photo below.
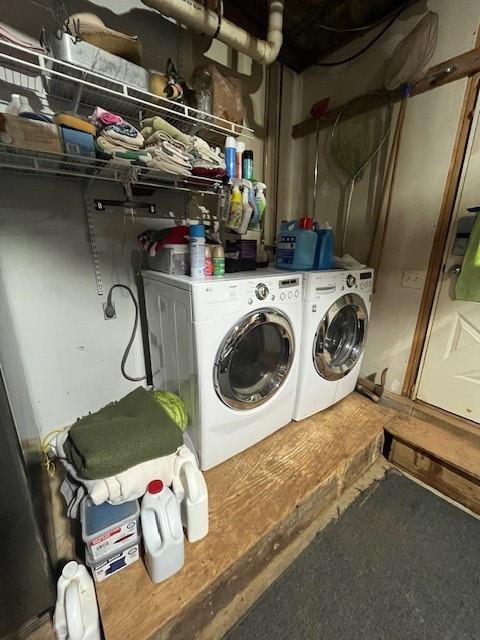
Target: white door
<point x="450" y="376"/>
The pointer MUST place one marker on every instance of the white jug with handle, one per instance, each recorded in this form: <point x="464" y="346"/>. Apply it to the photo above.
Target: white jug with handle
<point x="162" y="532"/>
<point x="76" y="611"/>
<point x="190" y="489"/>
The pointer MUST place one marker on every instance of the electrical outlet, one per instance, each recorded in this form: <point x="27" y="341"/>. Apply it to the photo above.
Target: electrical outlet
<point x="413" y="279"/>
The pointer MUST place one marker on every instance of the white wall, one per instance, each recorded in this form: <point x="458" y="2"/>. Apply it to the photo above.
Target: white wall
<point x="59" y="357"/>
<point x="429" y="133"/>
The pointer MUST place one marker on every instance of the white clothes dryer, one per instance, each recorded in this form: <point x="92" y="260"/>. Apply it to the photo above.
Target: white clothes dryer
<point x="336" y="311"/>
<point x="229" y="348"/>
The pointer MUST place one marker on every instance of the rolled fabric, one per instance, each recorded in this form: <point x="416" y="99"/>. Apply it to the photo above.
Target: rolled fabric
<point x="159" y="124"/>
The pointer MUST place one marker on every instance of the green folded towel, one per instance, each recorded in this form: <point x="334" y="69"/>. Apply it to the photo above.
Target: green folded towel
<point x="468" y="282"/>
<point x="121" y="435"/>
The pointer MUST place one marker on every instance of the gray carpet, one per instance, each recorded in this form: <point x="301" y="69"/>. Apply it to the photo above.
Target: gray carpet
<point x="399" y="564"/>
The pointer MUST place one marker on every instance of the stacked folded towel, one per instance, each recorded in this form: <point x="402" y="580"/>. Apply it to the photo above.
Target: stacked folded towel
<point x="116" y="451"/>
<point x="106" y="149"/>
<point x="168" y="155"/>
<point x="116" y="137"/>
<point x="121" y="487"/>
<point x="198" y="158"/>
<point x="205" y="161"/>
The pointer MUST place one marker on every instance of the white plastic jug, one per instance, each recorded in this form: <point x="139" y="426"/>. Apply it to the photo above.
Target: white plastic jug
<point x="76" y="611"/>
<point x="162" y="532"/>
<point x="190" y="489"/>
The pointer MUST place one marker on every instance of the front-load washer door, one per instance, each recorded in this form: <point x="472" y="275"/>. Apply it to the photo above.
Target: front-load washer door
<point x="254" y="359"/>
<point x="340" y="337"/>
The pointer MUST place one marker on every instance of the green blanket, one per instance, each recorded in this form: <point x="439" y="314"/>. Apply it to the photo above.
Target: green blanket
<point x="468" y="283"/>
<point x="121" y="435"/>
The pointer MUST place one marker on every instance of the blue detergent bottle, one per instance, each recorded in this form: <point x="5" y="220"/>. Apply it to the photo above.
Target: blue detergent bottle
<point x="325" y="244"/>
<point x="296" y="245"/>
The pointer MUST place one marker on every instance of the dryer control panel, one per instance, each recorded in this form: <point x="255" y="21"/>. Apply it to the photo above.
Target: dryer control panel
<point x="358" y="280"/>
<point x="323" y="283"/>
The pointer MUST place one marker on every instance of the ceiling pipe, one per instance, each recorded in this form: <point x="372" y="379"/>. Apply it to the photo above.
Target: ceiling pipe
<point x="200" y="19"/>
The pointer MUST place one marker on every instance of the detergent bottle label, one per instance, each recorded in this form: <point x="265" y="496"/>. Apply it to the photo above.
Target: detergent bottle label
<point x="285" y="249"/>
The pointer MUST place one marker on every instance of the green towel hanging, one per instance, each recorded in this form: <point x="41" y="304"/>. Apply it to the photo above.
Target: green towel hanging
<point x="468" y="283"/>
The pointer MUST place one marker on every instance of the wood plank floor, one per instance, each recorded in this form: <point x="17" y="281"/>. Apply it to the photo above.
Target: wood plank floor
<point x="260" y="501"/>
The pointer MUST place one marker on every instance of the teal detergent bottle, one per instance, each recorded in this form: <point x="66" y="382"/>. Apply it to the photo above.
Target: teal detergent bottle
<point x="325" y="247"/>
<point x="296" y="245"/>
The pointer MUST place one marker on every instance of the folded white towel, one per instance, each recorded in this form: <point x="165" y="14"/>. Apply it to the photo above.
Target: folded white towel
<point x="122" y="487"/>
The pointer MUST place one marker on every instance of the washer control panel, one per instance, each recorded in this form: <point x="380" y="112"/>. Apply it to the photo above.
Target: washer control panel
<point x="273" y="290"/>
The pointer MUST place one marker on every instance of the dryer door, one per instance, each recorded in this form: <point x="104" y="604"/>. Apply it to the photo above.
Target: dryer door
<point x="254" y="359"/>
<point x="340" y="337"/>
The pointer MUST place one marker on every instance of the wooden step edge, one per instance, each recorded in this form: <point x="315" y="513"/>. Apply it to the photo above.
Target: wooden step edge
<point x="456" y="447"/>
<point x="436" y="473"/>
<point x="195" y="620"/>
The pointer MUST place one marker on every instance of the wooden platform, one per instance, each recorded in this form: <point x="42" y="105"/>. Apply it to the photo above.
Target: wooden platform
<point x="260" y="503"/>
<point x="445" y="456"/>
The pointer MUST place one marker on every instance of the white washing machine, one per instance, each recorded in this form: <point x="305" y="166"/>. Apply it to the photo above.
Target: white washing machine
<point x="336" y="312"/>
<point x="229" y="347"/>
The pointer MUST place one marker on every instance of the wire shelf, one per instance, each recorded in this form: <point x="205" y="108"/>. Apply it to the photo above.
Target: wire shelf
<point x="25" y="161"/>
<point x="81" y="87"/>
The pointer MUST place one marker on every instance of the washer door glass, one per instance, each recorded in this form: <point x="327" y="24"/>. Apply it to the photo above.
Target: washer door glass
<point x="254" y="359"/>
<point x="340" y="337"/>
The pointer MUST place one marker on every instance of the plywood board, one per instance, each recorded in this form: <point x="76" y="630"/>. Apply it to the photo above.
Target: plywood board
<point x="259" y="502"/>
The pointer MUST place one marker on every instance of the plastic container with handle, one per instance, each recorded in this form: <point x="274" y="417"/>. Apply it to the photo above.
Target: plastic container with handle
<point x="162" y="532"/>
<point x="190" y="489"/>
<point x="76" y="611"/>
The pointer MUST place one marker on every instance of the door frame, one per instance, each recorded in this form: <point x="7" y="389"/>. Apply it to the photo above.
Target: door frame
<point x="440" y="242"/>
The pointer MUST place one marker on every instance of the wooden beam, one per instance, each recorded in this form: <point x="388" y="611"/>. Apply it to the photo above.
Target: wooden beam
<point x="461" y="66"/>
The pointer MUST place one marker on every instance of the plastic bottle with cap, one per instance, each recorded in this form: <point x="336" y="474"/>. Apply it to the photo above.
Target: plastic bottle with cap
<point x="239" y="156"/>
<point x="231" y="157"/>
<point x="190" y="489"/>
<point x="218" y="260"/>
<point x="325" y="246"/>
<point x="208" y="261"/>
<point x="261" y="202"/>
<point x="247" y="164"/>
<point x="306" y="245"/>
<point x="196" y="232"/>
<point x="162" y="532"/>
<point x="296" y="245"/>
<point x="76" y="611"/>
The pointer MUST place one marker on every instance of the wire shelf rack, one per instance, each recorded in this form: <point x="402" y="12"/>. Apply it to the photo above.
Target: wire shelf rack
<point x="79" y="87"/>
<point x="25" y="161"/>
